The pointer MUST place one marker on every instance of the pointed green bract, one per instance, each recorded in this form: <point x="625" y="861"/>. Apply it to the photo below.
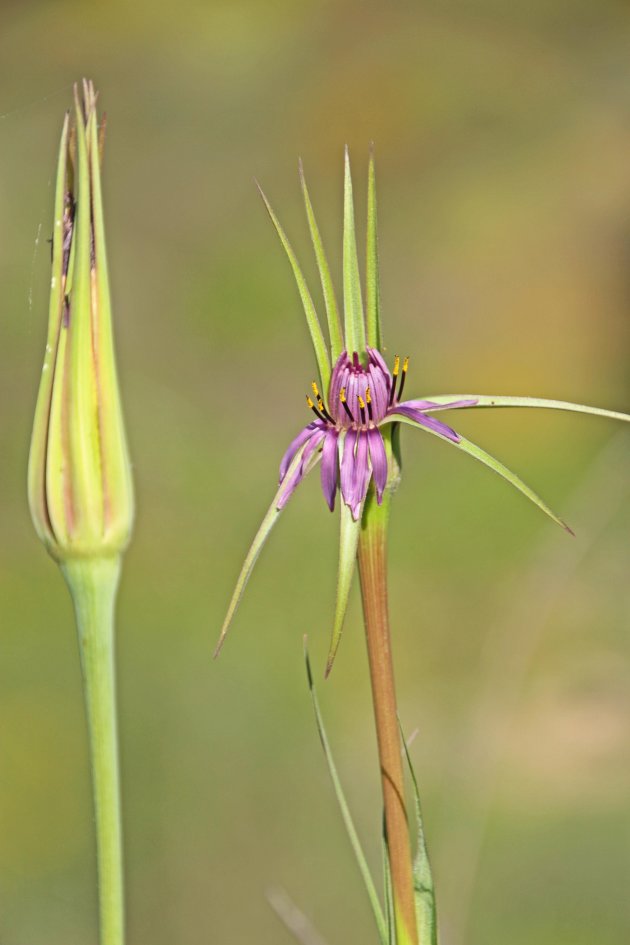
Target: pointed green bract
<point x="345" y="811"/>
<point x="473" y="450"/>
<point x="352" y="302"/>
<point x="330" y="300"/>
<point x="314" y="327"/>
<point x="422" y="876"/>
<point x="115" y="462"/>
<point x="82" y="401"/>
<point x="270" y="519"/>
<point x="349" y="532"/>
<point x="372" y="289"/>
<point x="39" y="442"/>
<point x="487" y="400"/>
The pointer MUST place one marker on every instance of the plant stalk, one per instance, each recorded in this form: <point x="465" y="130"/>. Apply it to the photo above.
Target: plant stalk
<point x="372" y="557"/>
<point x="93" y="584"/>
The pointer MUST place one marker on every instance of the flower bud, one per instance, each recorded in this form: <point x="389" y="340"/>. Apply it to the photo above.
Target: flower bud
<point x="79" y="479"/>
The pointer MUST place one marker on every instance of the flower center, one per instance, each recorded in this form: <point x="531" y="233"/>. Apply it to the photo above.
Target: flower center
<point x="360" y="397"/>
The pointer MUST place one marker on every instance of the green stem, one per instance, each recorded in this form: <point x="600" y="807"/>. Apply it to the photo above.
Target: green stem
<point x="93" y="584"/>
<point x="372" y="555"/>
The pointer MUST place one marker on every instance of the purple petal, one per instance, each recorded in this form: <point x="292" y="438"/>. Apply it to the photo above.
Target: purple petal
<point x="300" y="439"/>
<point x="347" y="466"/>
<point x="329" y="467"/>
<point x="293" y="481"/>
<point x="378" y="458"/>
<point x="355" y="473"/>
<point x="360" y="475"/>
<point x="378" y="359"/>
<point x="379" y="391"/>
<point x="429" y="422"/>
<point x="339" y="379"/>
<point x="428" y="405"/>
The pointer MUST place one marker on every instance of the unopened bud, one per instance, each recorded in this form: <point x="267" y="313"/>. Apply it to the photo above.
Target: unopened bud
<point x="79" y="479"/>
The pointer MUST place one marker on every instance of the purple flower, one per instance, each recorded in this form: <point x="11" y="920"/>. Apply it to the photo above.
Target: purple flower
<point x="347" y="432"/>
<point x="352" y="435"/>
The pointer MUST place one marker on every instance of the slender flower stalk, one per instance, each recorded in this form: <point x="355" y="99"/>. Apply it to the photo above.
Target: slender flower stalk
<point x="358" y="406"/>
<point x="372" y="558"/>
<point x="79" y="479"/>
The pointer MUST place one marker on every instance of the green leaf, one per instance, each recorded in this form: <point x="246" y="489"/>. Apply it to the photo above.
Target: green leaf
<point x="330" y="300"/>
<point x="270" y="519"/>
<point x="487" y="400"/>
<point x="373" y="316"/>
<point x="349" y="532"/>
<point x="317" y="336"/>
<point x="389" y="891"/>
<point x="352" y="302"/>
<point x="345" y="811"/>
<point x="422" y="876"/>
<point x="478" y="453"/>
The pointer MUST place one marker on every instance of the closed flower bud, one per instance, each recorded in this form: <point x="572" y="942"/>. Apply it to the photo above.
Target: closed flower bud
<point x="79" y="480"/>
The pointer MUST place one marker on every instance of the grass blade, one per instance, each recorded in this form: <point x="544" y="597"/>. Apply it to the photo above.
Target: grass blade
<point x="314" y="327"/>
<point x="345" y="810"/>
<point x="268" y="522"/>
<point x="330" y="300"/>
<point x="349" y="532"/>
<point x="422" y="875"/>
<point x="352" y="301"/>
<point x="478" y="453"/>
<point x="487" y="400"/>
<point x="372" y="290"/>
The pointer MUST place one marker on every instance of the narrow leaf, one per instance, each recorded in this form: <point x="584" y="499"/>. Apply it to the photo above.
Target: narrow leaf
<point x="349" y="532"/>
<point x="487" y="400"/>
<point x="330" y="300"/>
<point x="422" y="876"/>
<point x="345" y="811"/>
<point x="389" y="891"/>
<point x="352" y="302"/>
<point x="373" y="316"/>
<point x="261" y="537"/>
<point x="473" y="450"/>
<point x="317" y="336"/>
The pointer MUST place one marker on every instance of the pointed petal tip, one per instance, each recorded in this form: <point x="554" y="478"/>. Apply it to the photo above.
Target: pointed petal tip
<point x="568" y="529"/>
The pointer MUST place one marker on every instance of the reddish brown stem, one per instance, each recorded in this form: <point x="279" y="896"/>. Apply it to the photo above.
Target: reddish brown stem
<point x="372" y="556"/>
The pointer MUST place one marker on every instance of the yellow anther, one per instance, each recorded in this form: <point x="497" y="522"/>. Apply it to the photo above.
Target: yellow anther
<point x="361" y="402"/>
<point x="368" y="396"/>
<point x="405" y="365"/>
<point x="320" y="403"/>
<point x="342" y="395"/>
<point x="396" y="366"/>
<point x="309" y="402"/>
<point x="315" y="389"/>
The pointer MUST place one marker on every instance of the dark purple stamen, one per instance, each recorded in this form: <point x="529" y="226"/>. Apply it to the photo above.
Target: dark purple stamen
<point x="342" y="398"/>
<point x="361" y="409"/>
<point x="314" y="408"/>
<point x="402" y="378"/>
<point x="320" y="404"/>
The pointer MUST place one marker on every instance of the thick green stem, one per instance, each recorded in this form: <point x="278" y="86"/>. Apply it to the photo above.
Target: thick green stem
<point x="372" y="556"/>
<point x="93" y="584"/>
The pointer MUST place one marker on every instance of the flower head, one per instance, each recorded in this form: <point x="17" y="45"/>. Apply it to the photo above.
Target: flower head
<point x="360" y="400"/>
<point x="362" y="404"/>
<point x="79" y="480"/>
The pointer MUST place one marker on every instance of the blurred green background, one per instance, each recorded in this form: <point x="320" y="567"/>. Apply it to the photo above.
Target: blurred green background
<point x="502" y="135"/>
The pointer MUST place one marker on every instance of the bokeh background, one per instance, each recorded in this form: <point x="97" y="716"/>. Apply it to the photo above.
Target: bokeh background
<point x="502" y="135"/>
